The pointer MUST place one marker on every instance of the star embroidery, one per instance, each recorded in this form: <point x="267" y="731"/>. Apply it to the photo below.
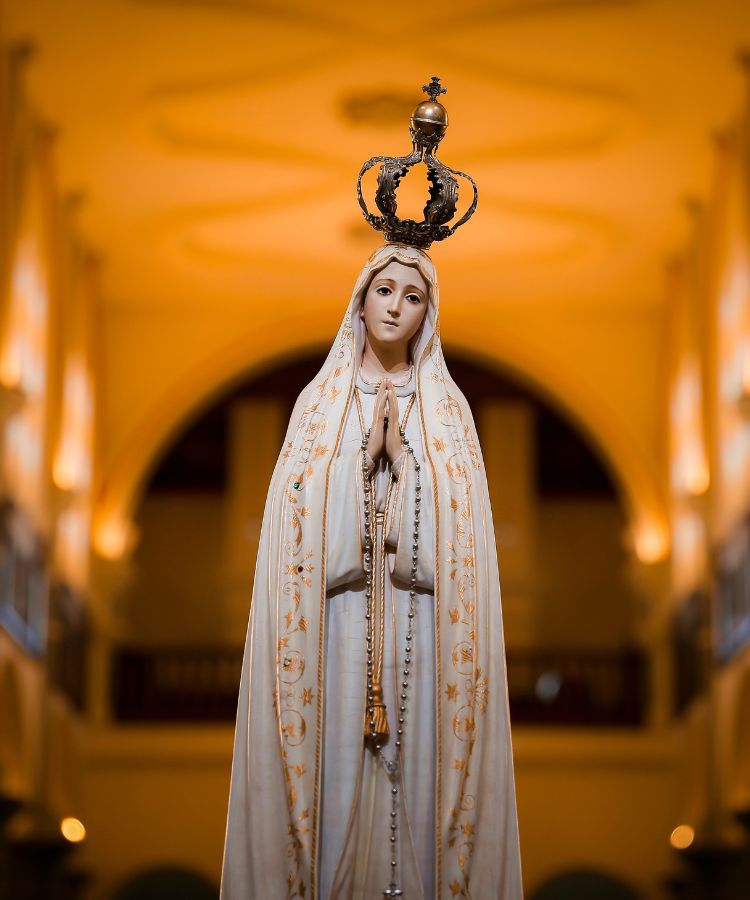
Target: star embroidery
<point x="451" y="691"/>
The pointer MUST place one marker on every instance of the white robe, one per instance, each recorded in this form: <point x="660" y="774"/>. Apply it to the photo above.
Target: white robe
<point x="300" y="711"/>
<point x="356" y="807"/>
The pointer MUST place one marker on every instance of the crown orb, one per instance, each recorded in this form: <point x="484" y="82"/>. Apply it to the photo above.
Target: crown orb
<point x="430" y="118"/>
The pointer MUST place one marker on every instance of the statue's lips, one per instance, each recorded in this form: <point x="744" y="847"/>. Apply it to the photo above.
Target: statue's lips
<point x="392" y="324"/>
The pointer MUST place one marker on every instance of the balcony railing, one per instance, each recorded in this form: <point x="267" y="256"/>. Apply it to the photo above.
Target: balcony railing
<point x="23" y="580"/>
<point x="547" y="687"/>
<point x="176" y="684"/>
<point x="599" y="688"/>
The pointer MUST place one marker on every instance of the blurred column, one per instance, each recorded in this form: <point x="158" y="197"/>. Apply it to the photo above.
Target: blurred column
<point x="507" y="430"/>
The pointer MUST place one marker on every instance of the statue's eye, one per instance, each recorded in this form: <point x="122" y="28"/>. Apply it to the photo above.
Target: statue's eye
<point x="383" y="290"/>
<point x="415" y="298"/>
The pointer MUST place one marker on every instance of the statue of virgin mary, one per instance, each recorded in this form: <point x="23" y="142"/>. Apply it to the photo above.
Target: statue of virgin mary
<point x="372" y="753"/>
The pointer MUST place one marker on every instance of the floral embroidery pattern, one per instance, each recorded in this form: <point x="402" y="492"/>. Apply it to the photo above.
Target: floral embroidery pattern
<point x="467" y="686"/>
<point x="301" y="580"/>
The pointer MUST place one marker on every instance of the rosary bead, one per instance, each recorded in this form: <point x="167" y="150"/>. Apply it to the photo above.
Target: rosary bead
<point x="401" y="720"/>
<point x="394" y="790"/>
<point x="403" y="696"/>
<point x="402" y="708"/>
<point x="398" y="743"/>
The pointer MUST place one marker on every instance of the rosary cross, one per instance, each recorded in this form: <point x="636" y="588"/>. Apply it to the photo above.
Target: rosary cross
<point x="393" y="891"/>
<point x="434" y="88"/>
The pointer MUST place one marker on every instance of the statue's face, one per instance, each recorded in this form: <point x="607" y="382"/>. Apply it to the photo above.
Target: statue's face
<point x="395" y="304"/>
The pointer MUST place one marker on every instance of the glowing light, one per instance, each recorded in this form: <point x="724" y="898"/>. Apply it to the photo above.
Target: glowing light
<point x="111" y="538"/>
<point x="744" y="367"/>
<point x="72" y="465"/>
<point x="682" y="837"/>
<point x="72" y="830"/>
<point x="689" y="466"/>
<point x="72" y="542"/>
<point x="696" y="476"/>
<point x="650" y="541"/>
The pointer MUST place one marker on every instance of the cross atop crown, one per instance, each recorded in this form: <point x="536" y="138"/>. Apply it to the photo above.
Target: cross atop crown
<point x="434" y="88"/>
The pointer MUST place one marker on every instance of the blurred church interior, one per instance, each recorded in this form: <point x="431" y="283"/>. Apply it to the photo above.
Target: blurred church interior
<point x="179" y="236"/>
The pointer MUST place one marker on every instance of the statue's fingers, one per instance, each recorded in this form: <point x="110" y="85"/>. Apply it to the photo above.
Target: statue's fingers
<point x="394" y="407"/>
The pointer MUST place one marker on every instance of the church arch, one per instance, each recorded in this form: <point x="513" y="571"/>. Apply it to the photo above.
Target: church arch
<point x="635" y="473"/>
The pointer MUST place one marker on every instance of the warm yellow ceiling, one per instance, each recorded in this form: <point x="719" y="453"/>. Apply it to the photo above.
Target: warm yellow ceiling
<point x="218" y="141"/>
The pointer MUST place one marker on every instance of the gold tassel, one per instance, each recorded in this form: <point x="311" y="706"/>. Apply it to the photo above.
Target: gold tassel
<point x="382" y="732"/>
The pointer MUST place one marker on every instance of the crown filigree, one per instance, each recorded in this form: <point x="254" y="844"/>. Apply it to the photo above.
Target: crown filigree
<point x="427" y="127"/>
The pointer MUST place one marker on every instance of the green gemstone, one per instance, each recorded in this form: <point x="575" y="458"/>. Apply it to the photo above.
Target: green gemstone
<point x="296" y="484"/>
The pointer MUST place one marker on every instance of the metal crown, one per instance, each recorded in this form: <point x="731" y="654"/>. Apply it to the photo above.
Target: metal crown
<point x="427" y="127"/>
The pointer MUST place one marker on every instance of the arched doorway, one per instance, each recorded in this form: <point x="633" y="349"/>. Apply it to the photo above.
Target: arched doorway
<point x="569" y="607"/>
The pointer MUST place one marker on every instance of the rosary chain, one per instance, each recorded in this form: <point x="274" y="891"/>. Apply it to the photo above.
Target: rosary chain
<point x="393" y="767"/>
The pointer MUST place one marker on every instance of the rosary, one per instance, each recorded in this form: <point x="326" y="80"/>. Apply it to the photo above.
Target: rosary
<point x="376" y="722"/>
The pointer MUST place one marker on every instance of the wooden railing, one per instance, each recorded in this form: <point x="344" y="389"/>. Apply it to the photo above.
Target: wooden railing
<point x="597" y="688"/>
<point x="176" y="684"/>
<point x="67" y="644"/>
<point x="547" y="687"/>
